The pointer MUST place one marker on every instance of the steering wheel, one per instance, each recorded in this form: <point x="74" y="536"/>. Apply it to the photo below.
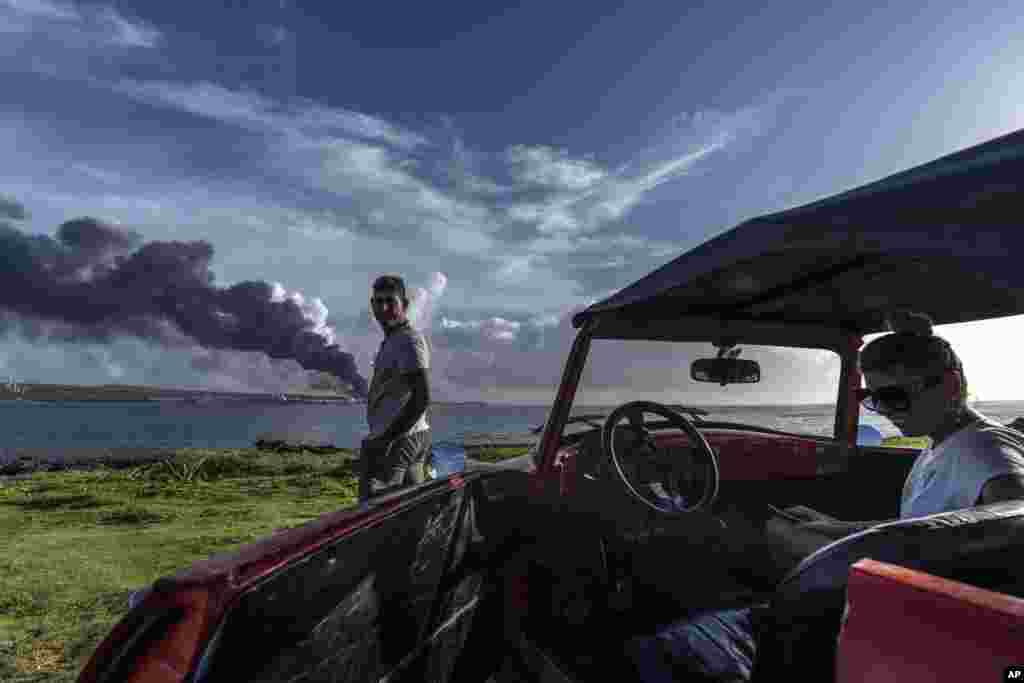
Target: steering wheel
<point x="669" y="472"/>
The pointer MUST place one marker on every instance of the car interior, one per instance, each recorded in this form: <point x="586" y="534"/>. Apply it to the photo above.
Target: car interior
<point x="489" y="578"/>
<point x="586" y="576"/>
<point x="613" y="571"/>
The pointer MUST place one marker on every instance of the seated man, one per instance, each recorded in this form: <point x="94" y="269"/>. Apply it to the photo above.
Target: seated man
<point x="916" y="380"/>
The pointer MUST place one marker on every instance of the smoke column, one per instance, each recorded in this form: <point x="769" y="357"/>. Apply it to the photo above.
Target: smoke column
<point x="424" y="301"/>
<point x="99" y="283"/>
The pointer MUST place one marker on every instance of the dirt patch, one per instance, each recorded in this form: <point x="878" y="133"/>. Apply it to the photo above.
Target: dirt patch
<point x="44" y="656"/>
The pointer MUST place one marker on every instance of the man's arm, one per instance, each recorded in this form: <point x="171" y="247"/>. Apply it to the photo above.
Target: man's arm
<point x="413" y="409"/>
<point x="1003" y="487"/>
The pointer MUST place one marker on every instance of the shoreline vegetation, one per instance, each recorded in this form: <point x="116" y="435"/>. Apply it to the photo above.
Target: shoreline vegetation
<point x="74" y="544"/>
<point x="13" y="391"/>
<point x="119" y="393"/>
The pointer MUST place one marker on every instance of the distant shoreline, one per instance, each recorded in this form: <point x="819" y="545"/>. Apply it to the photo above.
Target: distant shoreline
<point x="114" y="393"/>
<point x="123" y="393"/>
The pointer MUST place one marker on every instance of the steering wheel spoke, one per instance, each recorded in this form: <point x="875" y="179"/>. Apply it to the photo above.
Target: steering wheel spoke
<point x="668" y="475"/>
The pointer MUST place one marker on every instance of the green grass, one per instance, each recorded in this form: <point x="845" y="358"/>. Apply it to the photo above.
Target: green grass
<point x="73" y="545"/>
<point x="907" y="441"/>
<point x="495" y="453"/>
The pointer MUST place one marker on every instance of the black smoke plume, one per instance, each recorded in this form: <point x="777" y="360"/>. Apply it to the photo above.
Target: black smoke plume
<point x="97" y="282"/>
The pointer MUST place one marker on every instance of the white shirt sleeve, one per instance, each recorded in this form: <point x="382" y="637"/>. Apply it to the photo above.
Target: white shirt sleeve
<point x="995" y="454"/>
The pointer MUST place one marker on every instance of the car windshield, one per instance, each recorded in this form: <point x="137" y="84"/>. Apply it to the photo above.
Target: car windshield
<point x="797" y="391"/>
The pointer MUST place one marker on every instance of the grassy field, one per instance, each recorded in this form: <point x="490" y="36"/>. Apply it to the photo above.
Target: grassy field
<point x="75" y="544"/>
<point x="907" y="441"/>
<point x="495" y="453"/>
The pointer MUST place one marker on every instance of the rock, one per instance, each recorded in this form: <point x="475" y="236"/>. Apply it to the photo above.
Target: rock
<point x="9" y="468"/>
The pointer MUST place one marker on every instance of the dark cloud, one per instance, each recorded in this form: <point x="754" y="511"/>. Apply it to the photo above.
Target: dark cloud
<point x="89" y="236"/>
<point x="88" y="285"/>
<point x="12" y="209"/>
<point x="246" y="370"/>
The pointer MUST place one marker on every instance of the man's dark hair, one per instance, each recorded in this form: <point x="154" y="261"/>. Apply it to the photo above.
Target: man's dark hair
<point x="394" y="283"/>
<point x="912" y="347"/>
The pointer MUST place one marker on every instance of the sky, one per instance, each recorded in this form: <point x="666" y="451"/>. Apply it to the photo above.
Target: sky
<point x="515" y="162"/>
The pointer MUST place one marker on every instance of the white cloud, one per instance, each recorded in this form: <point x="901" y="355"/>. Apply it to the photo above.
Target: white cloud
<point x="549" y="320"/>
<point x="393" y="200"/>
<point x="623" y="193"/>
<point x="588" y="200"/>
<point x="319" y="227"/>
<point x="300" y="118"/>
<point x="490" y="329"/>
<point x="376" y="178"/>
<point x="552" y="168"/>
<point x="41" y="8"/>
<point x="128" y="33"/>
<point x="515" y="270"/>
<point x="101" y="23"/>
<point x="423" y="301"/>
<point x="314" y="311"/>
<point x="382" y="173"/>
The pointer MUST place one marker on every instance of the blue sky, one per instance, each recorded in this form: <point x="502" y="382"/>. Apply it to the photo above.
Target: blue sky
<point x="514" y="162"/>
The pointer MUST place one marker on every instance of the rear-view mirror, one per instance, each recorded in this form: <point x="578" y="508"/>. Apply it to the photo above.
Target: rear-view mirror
<point x="725" y="370"/>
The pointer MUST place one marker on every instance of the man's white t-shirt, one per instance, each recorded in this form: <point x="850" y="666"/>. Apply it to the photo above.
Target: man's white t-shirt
<point x="951" y="476"/>
<point x="404" y="350"/>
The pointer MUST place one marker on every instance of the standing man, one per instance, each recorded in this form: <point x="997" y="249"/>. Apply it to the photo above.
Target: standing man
<point x="395" y="452"/>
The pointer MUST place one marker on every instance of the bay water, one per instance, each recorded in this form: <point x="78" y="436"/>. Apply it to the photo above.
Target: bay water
<point x="67" y="428"/>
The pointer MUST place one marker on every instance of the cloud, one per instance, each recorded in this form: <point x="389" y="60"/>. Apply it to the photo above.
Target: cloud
<point x="92" y="24"/>
<point x="300" y="119"/>
<point x="41" y="9"/>
<point x="386" y="174"/>
<point x="515" y="270"/>
<point x="496" y="358"/>
<point x="12" y="209"/>
<point x="524" y="216"/>
<point x="597" y="200"/>
<point x="128" y="33"/>
<point x="520" y="232"/>
<point x="548" y="167"/>
<point x="423" y="302"/>
<point x="387" y="199"/>
<point x="100" y="175"/>
<point x="488" y="356"/>
<point x="96" y="282"/>
<point x="492" y="329"/>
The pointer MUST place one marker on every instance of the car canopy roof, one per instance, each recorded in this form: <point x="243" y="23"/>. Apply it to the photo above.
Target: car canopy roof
<point x="942" y="239"/>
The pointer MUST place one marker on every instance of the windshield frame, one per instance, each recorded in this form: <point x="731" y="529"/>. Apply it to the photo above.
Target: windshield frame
<point x="847" y="412"/>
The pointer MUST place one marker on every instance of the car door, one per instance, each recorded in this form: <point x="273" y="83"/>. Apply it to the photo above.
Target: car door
<point x="382" y="593"/>
<point x="906" y="625"/>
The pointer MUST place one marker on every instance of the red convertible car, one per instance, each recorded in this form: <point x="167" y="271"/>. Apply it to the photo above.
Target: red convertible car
<point x="565" y="564"/>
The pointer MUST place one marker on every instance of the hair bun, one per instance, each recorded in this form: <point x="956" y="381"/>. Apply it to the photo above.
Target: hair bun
<point x="910" y="323"/>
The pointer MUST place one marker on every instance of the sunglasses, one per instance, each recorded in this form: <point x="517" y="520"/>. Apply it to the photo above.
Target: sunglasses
<point x="894" y="398"/>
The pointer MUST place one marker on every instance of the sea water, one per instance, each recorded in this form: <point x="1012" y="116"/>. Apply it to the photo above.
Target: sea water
<point x="70" y="427"/>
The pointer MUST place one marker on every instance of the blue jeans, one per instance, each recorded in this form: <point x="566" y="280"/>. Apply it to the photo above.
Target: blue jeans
<point x="708" y="645"/>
